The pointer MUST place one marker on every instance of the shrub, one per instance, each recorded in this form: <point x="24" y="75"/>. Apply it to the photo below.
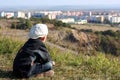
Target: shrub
<point x="58" y="23"/>
<point x="25" y="24"/>
<point x="110" y="33"/>
<point x="87" y="30"/>
<point x="14" y="25"/>
<point x="108" y="45"/>
<point x="28" y="24"/>
<point x="109" y="42"/>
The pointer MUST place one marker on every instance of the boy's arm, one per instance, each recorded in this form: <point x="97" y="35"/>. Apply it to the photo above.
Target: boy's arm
<point x="42" y="56"/>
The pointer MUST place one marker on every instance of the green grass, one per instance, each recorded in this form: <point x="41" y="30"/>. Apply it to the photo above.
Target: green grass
<point x="68" y="66"/>
<point x="8" y="46"/>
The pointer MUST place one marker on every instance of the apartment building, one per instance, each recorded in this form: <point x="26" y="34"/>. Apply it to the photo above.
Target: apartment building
<point x="2" y="14"/>
<point x="19" y="14"/>
<point x="96" y="18"/>
<point x="7" y="14"/>
<point x="115" y="19"/>
<point x="51" y="16"/>
<point x="28" y="15"/>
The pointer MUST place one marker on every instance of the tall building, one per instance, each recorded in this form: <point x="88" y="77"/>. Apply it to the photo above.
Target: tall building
<point x="2" y="14"/>
<point x="115" y="19"/>
<point x="28" y="15"/>
<point x="98" y="19"/>
<point x="51" y="16"/>
<point x="90" y="13"/>
<point x="7" y="14"/>
<point x="108" y="17"/>
<point x="19" y="14"/>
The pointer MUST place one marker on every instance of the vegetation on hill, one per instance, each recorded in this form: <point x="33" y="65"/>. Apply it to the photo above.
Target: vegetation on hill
<point x="110" y="41"/>
<point x="68" y="66"/>
<point x="92" y="65"/>
<point x="87" y="41"/>
<point x="27" y="24"/>
<point x="82" y="40"/>
<point x="22" y="24"/>
<point x="56" y="23"/>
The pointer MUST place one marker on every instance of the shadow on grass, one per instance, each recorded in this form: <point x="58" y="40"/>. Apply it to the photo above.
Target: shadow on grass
<point x="7" y="74"/>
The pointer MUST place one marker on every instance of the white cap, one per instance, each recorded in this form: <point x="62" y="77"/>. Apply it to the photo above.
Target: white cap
<point x="38" y="30"/>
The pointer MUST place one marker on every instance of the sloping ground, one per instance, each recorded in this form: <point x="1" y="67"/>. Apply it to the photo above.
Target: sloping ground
<point x="57" y="38"/>
<point x="86" y="42"/>
<point x="75" y="40"/>
<point x="96" y="27"/>
<point x="23" y="35"/>
<point x="78" y="41"/>
<point x="68" y="66"/>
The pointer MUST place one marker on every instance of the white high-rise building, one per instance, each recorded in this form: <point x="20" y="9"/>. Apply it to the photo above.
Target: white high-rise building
<point x="2" y="14"/>
<point x="7" y="14"/>
<point x="90" y="13"/>
<point x="19" y="14"/>
<point x="28" y="15"/>
<point x="97" y="18"/>
<point x="115" y="19"/>
<point x="108" y="17"/>
<point x="51" y="16"/>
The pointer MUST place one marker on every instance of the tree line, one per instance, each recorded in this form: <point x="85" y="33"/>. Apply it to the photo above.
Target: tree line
<point x="27" y="24"/>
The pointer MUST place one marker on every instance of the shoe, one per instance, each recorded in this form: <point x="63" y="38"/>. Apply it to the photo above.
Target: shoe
<point x="39" y="75"/>
<point x="49" y="73"/>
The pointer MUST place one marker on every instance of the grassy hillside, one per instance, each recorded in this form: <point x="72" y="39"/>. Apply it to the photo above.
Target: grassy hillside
<point x="68" y="66"/>
<point x="98" y="66"/>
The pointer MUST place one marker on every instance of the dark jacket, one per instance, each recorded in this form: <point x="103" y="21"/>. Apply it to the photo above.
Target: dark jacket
<point x="33" y="51"/>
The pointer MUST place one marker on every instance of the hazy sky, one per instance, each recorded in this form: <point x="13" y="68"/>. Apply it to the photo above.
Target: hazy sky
<point x="111" y="3"/>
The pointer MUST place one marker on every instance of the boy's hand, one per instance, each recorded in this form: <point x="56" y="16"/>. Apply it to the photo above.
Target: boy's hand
<point x="32" y="63"/>
<point x="53" y="63"/>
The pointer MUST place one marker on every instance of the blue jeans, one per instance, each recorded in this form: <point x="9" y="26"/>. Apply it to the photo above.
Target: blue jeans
<point x="38" y="68"/>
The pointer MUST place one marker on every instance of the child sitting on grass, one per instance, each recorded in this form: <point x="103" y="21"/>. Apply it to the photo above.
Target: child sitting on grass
<point x="33" y="58"/>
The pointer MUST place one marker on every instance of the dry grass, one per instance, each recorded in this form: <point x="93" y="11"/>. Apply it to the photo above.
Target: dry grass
<point x="96" y="27"/>
<point x="6" y="22"/>
<point x="13" y="33"/>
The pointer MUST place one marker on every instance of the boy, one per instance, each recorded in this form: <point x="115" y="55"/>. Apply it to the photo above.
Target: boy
<point x="33" y="58"/>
